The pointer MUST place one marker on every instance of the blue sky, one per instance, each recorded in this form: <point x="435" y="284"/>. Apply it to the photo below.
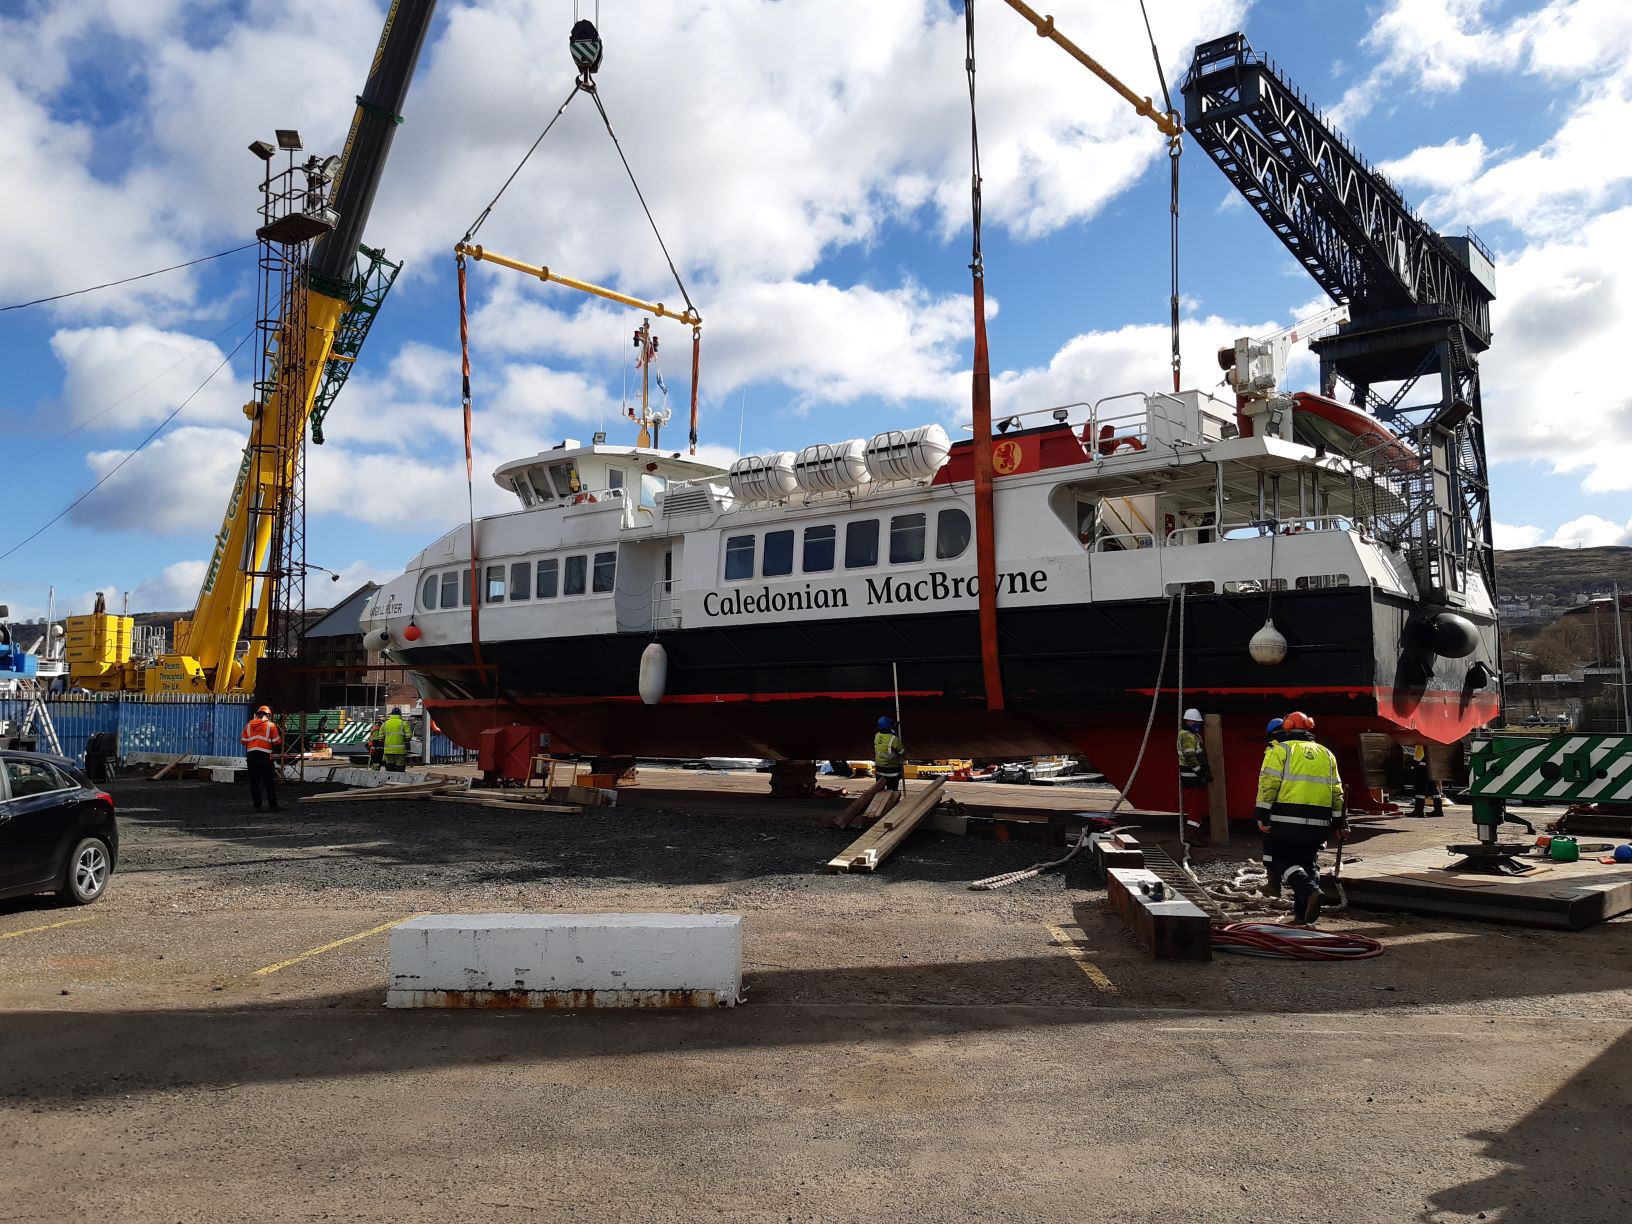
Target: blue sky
<point x="808" y="164"/>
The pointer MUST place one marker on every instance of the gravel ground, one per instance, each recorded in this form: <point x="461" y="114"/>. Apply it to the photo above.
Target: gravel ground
<point x="208" y="1041"/>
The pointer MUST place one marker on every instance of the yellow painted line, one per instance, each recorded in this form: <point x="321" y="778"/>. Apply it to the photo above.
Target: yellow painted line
<point x="50" y="926"/>
<point x="1094" y="973"/>
<point x="311" y="952"/>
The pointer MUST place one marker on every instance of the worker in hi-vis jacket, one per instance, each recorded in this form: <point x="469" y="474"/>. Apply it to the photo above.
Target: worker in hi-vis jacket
<point x="396" y="733"/>
<point x="1195" y="774"/>
<point x="889" y="755"/>
<point x="260" y="737"/>
<point x="1300" y="806"/>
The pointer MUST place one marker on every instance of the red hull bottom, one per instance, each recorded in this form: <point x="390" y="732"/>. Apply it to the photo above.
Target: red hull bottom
<point x="842" y="726"/>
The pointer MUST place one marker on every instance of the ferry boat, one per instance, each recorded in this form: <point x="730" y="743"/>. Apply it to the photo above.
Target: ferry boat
<point x="640" y="602"/>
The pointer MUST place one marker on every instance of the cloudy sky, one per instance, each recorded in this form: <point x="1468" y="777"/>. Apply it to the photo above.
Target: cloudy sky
<point x="808" y="163"/>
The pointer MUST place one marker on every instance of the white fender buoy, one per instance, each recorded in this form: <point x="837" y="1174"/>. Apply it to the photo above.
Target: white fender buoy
<point x="377" y="639"/>
<point x="654" y="673"/>
<point x="1267" y="646"/>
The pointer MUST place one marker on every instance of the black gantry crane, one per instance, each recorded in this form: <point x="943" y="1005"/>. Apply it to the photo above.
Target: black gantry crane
<point x="1419" y="301"/>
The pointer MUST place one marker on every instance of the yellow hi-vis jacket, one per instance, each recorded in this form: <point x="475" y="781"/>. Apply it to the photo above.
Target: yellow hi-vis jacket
<point x="1299" y="792"/>
<point x="396" y="734"/>
<point x="1190" y="752"/>
<point x="888" y="753"/>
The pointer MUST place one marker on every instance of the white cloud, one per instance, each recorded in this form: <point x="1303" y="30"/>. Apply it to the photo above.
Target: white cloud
<point x="179" y="482"/>
<point x="1550" y="393"/>
<point x="1508" y="536"/>
<point x="172" y="589"/>
<point x="1589" y="531"/>
<point x="1442" y="166"/>
<point x="101" y="365"/>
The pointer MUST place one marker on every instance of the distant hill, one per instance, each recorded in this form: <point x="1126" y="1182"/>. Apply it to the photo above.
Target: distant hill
<point x="1562" y="573"/>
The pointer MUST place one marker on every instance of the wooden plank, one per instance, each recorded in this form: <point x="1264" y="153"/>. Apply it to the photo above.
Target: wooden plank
<point x="878" y="842"/>
<point x="181" y="760"/>
<point x="858" y="806"/>
<point x="507" y="805"/>
<point x="1218" y="807"/>
<point x="521" y="805"/>
<point x="1170" y="929"/>
<point x="372" y="794"/>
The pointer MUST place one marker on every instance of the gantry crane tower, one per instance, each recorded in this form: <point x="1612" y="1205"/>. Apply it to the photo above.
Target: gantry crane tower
<point x="1419" y="301"/>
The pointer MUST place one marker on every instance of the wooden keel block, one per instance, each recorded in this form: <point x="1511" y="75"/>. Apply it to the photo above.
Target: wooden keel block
<point x="1115" y="850"/>
<point x="1170" y="929"/>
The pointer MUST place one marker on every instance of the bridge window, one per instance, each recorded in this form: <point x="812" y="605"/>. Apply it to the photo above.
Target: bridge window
<point x="819" y="548"/>
<point x="521" y="580"/>
<point x="549" y="578"/>
<point x="861" y="544"/>
<point x="778" y="554"/>
<point x="427" y="596"/>
<point x="450" y="589"/>
<point x="907" y="538"/>
<point x="577" y="573"/>
<point x="739" y="557"/>
<point x="495" y="585"/>
<point x="951" y="534"/>
<point x="606" y="568"/>
<point x="1253" y="586"/>
<point x="464" y="588"/>
<point x="1319" y="582"/>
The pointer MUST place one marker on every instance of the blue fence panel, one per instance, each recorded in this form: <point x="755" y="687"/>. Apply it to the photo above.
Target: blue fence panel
<point x="75" y="718"/>
<point x="184" y="726"/>
<point x="188" y="726"/>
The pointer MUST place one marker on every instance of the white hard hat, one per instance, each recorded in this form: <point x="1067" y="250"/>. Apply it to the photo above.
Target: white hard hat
<point x="1192" y="716"/>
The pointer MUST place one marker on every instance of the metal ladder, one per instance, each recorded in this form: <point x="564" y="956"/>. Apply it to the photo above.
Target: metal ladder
<point x="37" y="713"/>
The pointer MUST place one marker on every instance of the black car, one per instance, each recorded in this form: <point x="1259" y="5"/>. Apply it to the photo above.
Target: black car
<point x="57" y="830"/>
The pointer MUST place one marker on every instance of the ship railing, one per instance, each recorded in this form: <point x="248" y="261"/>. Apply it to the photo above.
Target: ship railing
<point x="1103" y="432"/>
<point x="665" y="608"/>
<point x="1207" y="533"/>
<point x="1131" y="541"/>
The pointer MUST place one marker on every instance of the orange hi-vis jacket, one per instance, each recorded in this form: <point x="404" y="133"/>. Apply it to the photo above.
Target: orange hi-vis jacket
<point x="261" y="735"/>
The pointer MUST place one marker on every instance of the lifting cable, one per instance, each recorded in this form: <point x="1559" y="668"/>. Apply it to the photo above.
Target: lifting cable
<point x="1175" y="147"/>
<point x="587" y="55"/>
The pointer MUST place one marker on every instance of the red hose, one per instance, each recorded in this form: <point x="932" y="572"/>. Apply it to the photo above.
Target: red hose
<point x="1293" y="943"/>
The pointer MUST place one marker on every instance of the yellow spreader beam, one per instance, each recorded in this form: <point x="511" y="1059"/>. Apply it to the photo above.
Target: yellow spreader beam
<point x="1168" y="122"/>
<point x="688" y="316"/>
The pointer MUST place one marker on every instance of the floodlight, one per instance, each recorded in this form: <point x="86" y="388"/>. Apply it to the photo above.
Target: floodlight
<point x="262" y="150"/>
<point x="1062" y="415"/>
<point x="289" y="139"/>
<point x="598" y="438"/>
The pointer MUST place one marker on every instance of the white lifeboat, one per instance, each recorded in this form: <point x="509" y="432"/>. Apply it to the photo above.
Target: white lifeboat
<point x="907" y="454"/>
<point x="763" y="478"/>
<point x="832" y="468"/>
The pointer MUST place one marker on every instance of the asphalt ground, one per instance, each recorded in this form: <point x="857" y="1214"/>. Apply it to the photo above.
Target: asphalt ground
<point x="209" y="1041"/>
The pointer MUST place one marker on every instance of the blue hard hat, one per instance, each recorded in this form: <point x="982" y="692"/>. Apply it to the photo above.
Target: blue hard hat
<point x="885" y="723"/>
<point x="1623" y="854"/>
<point x="1274" y="726"/>
<point x="396" y="709"/>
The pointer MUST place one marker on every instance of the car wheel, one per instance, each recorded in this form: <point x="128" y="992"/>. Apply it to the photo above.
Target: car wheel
<point x="88" y="869"/>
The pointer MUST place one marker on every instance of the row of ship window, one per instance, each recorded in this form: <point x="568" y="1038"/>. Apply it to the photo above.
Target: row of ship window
<point x="520" y="580"/>
<point x="818" y="550"/>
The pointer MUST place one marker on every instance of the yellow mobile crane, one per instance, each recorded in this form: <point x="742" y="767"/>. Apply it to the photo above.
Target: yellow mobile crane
<point x="320" y="291"/>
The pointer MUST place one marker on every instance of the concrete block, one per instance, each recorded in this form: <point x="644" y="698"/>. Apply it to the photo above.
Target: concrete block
<point x="566" y="960"/>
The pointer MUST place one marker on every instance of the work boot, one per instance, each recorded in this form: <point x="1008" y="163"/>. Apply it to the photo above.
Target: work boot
<point x="1416" y="809"/>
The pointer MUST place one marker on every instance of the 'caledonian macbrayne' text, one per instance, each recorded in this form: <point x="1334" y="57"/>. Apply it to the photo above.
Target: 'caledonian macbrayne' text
<point x="933" y="587"/>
